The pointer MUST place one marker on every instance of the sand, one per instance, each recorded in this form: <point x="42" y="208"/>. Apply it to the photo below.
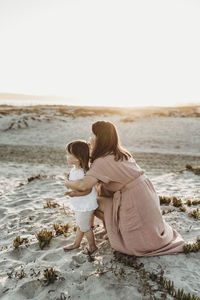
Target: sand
<point x="32" y="141"/>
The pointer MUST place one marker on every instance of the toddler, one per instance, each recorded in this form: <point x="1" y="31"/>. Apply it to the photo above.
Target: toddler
<point x="77" y="154"/>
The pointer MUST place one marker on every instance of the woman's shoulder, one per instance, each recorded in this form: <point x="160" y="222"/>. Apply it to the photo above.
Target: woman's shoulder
<point x="111" y="158"/>
<point x="104" y="159"/>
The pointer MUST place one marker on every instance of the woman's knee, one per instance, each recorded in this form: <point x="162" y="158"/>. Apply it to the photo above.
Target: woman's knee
<point x="99" y="214"/>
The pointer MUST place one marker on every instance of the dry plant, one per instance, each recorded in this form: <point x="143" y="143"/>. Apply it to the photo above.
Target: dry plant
<point x="21" y="274"/>
<point x="74" y="228"/>
<point x="168" y="211"/>
<point x="183" y="209"/>
<point x="195" y="213"/>
<point x="50" y="204"/>
<point x="38" y="176"/>
<point x="192" y="247"/>
<point x="176" y="202"/>
<point x="44" y="237"/>
<point x="61" y="229"/>
<point x="194" y="202"/>
<point x="164" y="200"/>
<point x="167" y="200"/>
<point x="195" y="170"/>
<point x="188" y="167"/>
<point x="19" y="241"/>
<point x="49" y="276"/>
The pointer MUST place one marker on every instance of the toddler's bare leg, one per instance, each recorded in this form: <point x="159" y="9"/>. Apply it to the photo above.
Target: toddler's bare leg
<point x="77" y="242"/>
<point x="92" y="221"/>
<point x="91" y="241"/>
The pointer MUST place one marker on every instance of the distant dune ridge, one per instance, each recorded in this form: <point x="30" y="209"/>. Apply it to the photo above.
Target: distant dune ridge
<point x="14" y="96"/>
<point x="24" y="99"/>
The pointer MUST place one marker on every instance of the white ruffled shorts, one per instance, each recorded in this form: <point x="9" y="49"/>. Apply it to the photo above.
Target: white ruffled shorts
<point x="83" y="219"/>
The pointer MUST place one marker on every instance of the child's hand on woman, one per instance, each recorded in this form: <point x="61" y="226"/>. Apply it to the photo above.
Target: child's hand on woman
<point x="67" y="184"/>
<point x="67" y="176"/>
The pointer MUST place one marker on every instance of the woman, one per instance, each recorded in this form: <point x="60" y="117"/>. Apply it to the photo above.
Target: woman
<point x="128" y="203"/>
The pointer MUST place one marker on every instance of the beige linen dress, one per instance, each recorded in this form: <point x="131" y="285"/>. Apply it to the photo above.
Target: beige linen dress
<point x="132" y="213"/>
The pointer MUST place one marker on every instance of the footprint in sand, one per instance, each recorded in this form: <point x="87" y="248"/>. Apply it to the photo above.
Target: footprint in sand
<point x="28" y="289"/>
<point x="52" y="257"/>
<point x="77" y="260"/>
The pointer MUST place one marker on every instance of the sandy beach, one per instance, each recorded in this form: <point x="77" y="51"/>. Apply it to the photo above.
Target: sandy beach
<point x="32" y="172"/>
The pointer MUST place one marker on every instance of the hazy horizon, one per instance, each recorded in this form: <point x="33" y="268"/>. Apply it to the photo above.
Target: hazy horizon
<point x="23" y="100"/>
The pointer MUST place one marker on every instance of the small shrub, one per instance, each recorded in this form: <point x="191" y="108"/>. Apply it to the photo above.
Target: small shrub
<point x="188" y="167"/>
<point x="188" y="203"/>
<point x="44" y="237"/>
<point x="195" y="213"/>
<point x="195" y="170"/>
<point x="74" y="228"/>
<point x="38" y="176"/>
<point x="164" y="200"/>
<point x="192" y="247"/>
<point x="50" y="204"/>
<point x="176" y="202"/>
<point x="182" y="208"/>
<point x="21" y="274"/>
<point x="168" y="211"/>
<point x="49" y="276"/>
<point x="19" y="241"/>
<point x="195" y="202"/>
<point x="61" y="229"/>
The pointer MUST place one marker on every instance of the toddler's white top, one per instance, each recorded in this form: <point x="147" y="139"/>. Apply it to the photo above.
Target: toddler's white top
<point x="82" y="203"/>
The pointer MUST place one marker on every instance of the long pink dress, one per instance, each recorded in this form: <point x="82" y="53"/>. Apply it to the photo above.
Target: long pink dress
<point x="132" y="213"/>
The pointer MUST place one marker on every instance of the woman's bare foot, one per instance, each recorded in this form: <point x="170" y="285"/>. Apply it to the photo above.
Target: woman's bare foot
<point x="71" y="247"/>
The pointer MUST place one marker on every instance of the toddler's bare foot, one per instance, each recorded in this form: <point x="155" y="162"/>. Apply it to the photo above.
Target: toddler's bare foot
<point x="71" y="247"/>
<point x="93" y="249"/>
<point x="90" y="251"/>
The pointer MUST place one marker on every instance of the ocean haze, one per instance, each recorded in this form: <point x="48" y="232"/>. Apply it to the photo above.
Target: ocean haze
<point x="26" y="100"/>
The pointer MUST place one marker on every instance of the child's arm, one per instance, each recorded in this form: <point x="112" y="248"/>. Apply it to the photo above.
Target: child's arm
<point x="77" y="193"/>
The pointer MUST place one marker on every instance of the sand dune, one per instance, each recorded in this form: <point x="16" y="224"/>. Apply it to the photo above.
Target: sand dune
<point x="38" y="148"/>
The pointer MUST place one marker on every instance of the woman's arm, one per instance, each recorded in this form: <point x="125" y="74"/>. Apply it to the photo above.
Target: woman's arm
<point x="86" y="183"/>
<point x="77" y="193"/>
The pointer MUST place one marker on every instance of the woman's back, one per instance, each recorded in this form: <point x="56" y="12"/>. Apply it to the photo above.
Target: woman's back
<point x="133" y="217"/>
<point x="115" y="173"/>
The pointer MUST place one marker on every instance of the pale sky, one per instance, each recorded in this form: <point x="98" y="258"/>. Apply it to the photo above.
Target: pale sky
<point x="105" y="52"/>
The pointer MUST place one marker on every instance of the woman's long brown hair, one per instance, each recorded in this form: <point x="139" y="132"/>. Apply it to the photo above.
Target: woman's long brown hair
<point x="107" y="141"/>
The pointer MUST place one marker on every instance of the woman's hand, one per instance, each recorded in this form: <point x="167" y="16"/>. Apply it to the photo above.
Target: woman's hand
<point x="72" y="193"/>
